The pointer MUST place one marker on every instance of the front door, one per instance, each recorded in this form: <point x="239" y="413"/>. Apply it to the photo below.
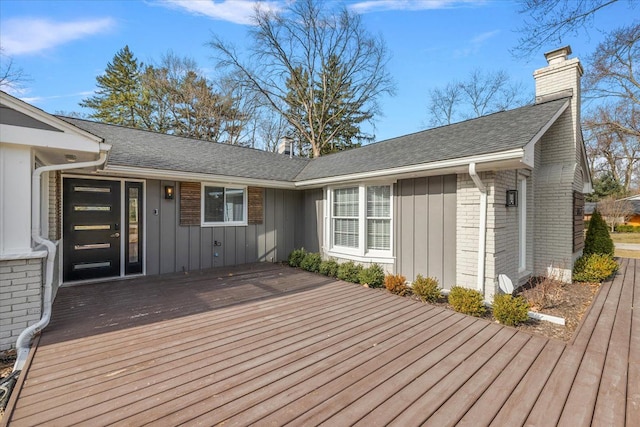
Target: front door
<point x="91" y="229"/>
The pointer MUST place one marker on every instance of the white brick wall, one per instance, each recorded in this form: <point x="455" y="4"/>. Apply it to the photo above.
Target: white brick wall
<point x="20" y="298"/>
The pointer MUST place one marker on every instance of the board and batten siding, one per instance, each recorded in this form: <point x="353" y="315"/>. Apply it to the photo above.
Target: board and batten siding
<point x="310" y="221"/>
<point x="425" y="228"/>
<point x="171" y="247"/>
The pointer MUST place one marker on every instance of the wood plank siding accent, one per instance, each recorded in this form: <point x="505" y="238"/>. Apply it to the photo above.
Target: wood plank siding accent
<point x="172" y="247"/>
<point x="190" y="200"/>
<point x="425" y="228"/>
<point x="264" y="344"/>
<point x="578" y="221"/>
<point x="256" y="205"/>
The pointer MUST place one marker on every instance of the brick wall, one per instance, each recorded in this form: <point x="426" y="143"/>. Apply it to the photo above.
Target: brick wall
<point x="20" y="298"/>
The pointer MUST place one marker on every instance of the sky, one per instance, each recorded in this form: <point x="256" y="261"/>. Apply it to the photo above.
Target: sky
<point x="63" y="45"/>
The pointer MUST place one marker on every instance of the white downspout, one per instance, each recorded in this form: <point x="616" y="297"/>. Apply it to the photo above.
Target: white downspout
<point x="482" y="227"/>
<point x="24" y="340"/>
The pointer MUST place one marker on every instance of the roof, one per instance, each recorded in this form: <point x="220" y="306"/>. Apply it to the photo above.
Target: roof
<point x="590" y="207"/>
<point x="152" y="150"/>
<point x="489" y="134"/>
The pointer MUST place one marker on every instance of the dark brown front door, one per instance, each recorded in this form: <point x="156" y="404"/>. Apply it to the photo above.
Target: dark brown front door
<point x="91" y="229"/>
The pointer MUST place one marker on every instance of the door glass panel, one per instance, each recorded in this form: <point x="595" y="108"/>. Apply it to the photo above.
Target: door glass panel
<point x="92" y="208"/>
<point x="134" y="224"/>
<point x="92" y="246"/>
<point x="92" y="265"/>
<point x="92" y="189"/>
<point x="91" y="227"/>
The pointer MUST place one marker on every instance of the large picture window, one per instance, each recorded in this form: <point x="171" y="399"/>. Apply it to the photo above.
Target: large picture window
<point x="361" y="221"/>
<point x="224" y="205"/>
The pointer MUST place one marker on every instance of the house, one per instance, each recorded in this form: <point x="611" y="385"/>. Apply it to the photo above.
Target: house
<point x="501" y="195"/>
<point x="634" y="201"/>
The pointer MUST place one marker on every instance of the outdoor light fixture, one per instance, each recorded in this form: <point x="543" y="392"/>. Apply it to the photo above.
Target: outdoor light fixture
<point x="168" y="192"/>
<point x="512" y="198"/>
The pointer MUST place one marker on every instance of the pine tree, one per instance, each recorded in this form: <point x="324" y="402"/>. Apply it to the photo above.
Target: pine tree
<point x="119" y="99"/>
<point x="598" y="240"/>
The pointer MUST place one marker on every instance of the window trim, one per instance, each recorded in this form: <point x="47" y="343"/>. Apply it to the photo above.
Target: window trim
<point x="361" y="253"/>
<point x="245" y="205"/>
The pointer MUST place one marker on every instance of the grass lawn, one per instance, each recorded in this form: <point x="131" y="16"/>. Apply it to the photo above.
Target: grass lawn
<point x="625" y="253"/>
<point x="625" y="237"/>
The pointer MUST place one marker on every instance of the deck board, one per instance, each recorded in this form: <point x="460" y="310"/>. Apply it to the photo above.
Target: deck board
<point x="269" y="345"/>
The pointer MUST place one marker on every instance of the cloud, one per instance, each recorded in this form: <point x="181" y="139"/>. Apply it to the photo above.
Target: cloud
<point x="39" y="99"/>
<point x="411" y="5"/>
<point x="475" y="44"/>
<point x="21" y="36"/>
<point x="236" y="11"/>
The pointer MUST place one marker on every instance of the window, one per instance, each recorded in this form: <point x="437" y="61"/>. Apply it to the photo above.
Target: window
<point x="360" y="221"/>
<point x="224" y="205"/>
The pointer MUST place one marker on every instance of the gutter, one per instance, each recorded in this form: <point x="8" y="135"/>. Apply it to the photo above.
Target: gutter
<point x="24" y="340"/>
<point x="482" y="227"/>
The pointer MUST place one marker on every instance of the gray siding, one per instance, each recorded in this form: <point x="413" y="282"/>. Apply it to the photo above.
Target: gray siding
<point x="426" y="228"/>
<point x="171" y="247"/>
<point x="309" y="222"/>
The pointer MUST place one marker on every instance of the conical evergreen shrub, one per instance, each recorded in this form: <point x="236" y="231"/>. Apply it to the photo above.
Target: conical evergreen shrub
<point x="598" y="240"/>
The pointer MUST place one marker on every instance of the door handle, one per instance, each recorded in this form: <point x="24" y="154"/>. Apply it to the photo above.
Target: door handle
<point x="115" y="235"/>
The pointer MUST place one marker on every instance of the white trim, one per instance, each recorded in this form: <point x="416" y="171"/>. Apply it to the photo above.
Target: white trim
<point x="46" y="118"/>
<point x="362" y="258"/>
<point x="482" y="227"/>
<point x="25" y="255"/>
<point x="529" y="149"/>
<point x="245" y="207"/>
<point x="522" y="226"/>
<point x="161" y="174"/>
<point x="462" y="163"/>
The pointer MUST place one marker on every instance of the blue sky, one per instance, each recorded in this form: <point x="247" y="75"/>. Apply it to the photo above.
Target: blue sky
<point x="63" y="45"/>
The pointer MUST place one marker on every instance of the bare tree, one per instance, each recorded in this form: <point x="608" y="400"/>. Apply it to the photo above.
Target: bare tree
<point x="11" y="76"/>
<point x="480" y="94"/>
<point x="613" y="125"/>
<point x="298" y="42"/>
<point x="615" y="212"/>
<point x="550" y="20"/>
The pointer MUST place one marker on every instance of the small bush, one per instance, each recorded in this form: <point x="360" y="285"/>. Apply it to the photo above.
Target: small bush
<point x="296" y="256"/>
<point x="509" y="310"/>
<point x="466" y="301"/>
<point x="349" y="271"/>
<point x="396" y="284"/>
<point x="311" y="262"/>
<point x="329" y="268"/>
<point x="543" y="292"/>
<point x="597" y="239"/>
<point x="373" y="276"/>
<point x="426" y="288"/>
<point x="627" y="229"/>
<point x="594" y="268"/>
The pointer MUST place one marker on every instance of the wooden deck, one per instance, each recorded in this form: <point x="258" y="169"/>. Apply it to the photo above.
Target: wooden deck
<point x="268" y="345"/>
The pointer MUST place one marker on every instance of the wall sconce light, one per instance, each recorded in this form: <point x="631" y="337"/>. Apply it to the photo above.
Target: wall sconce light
<point x="168" y="192"/>
<point x="512" y="198"/>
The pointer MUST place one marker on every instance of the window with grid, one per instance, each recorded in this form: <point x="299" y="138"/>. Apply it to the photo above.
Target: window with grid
<point x="345" y="217"/>
<point x="379" y="218"/>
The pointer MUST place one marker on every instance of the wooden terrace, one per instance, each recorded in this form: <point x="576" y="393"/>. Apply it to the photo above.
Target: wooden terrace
<point x="265" y="344"/>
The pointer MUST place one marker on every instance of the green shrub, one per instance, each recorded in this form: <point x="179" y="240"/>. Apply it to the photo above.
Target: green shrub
<point x="627" y="229"/>
<point x="594" y="268"/>
<point x="426" y="288"/>
<point x="296" y="256"/>
<point x="396" y="284"/>
<point x="349" y="271"/>
<point x="373" y="276"/>
<point x="329" y="268"/>
<point x="311" y="262"/>
<point x="466" y="301"/>
<point x="509" y="310"/>
<point x="598" y="240"/>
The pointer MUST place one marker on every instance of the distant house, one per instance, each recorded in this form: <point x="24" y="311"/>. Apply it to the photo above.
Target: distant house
<point x="589" y="208"/>
<point x="465" y="203"/>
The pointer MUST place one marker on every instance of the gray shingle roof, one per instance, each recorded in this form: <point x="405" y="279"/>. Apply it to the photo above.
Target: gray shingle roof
<point x="488" y="134"/>
<point x="139" y="148"/>
<point x="485" y="135"/>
